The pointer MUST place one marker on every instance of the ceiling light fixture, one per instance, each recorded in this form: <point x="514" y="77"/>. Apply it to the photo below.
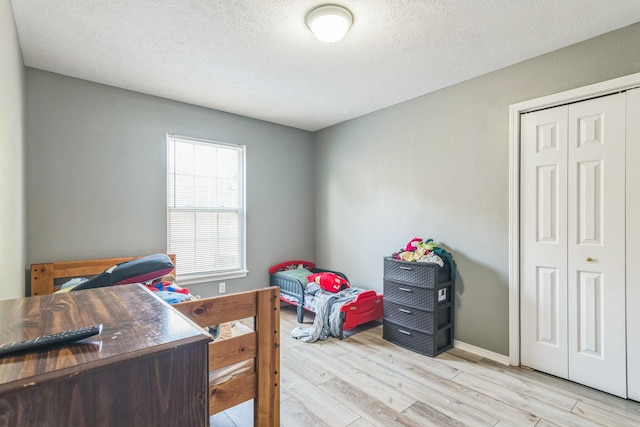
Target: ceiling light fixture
<point x="329" y="22"/>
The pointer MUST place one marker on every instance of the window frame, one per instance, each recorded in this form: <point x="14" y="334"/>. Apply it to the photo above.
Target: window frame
<point x="210" y="276"/>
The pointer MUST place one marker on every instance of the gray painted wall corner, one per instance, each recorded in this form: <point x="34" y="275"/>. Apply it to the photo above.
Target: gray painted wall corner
<point x="437" y="167"/>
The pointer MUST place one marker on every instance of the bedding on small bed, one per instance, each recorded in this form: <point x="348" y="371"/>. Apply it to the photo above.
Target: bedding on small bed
<point x="327" y="280"/>
<point x="311" y="290"/>
<point x="320" y="297"/>
<point x="328" y="320"/>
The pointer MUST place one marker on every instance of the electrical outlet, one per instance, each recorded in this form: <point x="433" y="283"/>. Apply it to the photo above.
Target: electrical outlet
<point x="222" y="287"/>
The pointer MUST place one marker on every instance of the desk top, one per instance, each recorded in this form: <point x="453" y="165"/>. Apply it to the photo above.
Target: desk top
<point x="135" y="323"/>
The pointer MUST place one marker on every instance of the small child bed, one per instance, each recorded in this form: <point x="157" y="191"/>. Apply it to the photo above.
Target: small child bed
<point x="290" y="277"/>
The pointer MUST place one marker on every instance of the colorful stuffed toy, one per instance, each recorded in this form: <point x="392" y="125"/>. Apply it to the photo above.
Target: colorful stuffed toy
<point x="329" y="281"/>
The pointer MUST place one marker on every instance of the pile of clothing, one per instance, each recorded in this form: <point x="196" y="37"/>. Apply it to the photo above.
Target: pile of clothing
<point x="330" y="292"/>
<point x="421" y="250"/>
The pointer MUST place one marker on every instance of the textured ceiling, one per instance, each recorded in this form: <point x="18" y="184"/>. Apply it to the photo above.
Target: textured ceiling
<point x="258" y="59"/>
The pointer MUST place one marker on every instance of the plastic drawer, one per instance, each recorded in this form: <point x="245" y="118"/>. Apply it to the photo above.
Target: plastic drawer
<point x="425" y="274"/>
<point x="413" y="295"/>
<point x="421" y="342"/>
<point x="409" y="316"/>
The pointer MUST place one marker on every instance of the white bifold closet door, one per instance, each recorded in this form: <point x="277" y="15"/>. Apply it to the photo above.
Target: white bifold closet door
<point x="573" y="320"/>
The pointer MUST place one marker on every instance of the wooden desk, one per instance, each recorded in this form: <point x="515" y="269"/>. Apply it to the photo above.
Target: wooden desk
<point x="148" y="367"/>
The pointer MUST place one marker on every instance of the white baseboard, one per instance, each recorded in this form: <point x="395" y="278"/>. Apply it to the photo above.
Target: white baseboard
<point x="496" y="357"/>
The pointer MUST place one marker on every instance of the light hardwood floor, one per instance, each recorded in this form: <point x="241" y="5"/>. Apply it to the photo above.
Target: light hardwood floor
<point x="364" y="380"/>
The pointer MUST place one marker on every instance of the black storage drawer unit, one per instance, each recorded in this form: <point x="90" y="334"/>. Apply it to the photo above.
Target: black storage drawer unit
<point x="418" y="306"/>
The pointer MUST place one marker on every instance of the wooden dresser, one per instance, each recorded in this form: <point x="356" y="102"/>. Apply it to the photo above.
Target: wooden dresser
<point x="148" y="367"/>
<point x="418" y="306"/>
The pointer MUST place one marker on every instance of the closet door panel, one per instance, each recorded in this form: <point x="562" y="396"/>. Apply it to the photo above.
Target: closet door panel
<point x="633" y="243"/>
<point x="543" y="256"/>
<point x="596" y="244"/>
<point x="590" y="314"/>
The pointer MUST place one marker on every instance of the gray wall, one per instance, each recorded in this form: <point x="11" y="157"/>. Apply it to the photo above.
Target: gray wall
<point x="437" y="167"/>
<point x="12" y="189"/>
<point x="96" y="175"/>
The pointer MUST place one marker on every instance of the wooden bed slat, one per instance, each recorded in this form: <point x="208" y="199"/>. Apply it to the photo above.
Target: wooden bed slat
<point x="213" y="311"/>
<point x="232" y="350"/>
<point x="233" y="392"/>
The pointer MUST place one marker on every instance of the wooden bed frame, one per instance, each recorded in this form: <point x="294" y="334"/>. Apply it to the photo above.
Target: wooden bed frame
<point x="259" y="349"/>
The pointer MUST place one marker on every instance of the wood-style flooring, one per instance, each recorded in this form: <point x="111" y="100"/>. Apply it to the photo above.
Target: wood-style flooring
<point x="364" y="380"/>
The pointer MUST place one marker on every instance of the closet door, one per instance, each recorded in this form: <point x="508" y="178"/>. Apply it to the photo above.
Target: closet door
<point x="596" y="244"/>
<point x="573" y="242"/>
<point x="633" y="244"/>
<point x="543" y="234"/>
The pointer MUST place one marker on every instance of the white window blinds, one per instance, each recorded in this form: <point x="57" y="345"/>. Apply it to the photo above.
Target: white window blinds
<point x="205" y="208"/>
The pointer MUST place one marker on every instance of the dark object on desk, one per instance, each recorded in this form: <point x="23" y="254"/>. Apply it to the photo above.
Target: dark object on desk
<point x="151" y="369"/>
<point x="43" y="341"/>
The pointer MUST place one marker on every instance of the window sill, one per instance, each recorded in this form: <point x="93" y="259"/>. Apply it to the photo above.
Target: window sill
<point x="208" y="278"/>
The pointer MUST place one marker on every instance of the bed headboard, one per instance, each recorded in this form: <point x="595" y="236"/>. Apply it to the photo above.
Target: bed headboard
<point x="291" y="264"/>
<point x="43" y="275"/>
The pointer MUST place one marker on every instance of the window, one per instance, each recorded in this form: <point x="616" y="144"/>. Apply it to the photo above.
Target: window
<point x="205" y="209"/>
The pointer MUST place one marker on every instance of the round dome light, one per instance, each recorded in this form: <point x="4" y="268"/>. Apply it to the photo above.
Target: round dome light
<point x="329" y="22"/>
